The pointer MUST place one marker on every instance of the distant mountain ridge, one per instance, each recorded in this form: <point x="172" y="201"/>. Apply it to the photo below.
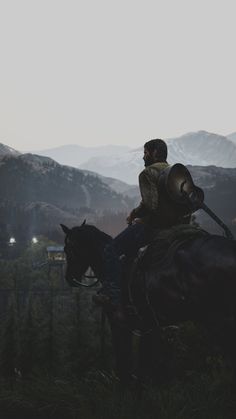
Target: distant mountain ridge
<point x="124" y="163"/>
<point x="46" y="193"/>
<point x="37" y="160"/>
<point x="196" y="149"/>
<point x="37" y="194"/>
<point x="232" y="137"/>
<point x="6" y="150"/>
<point x="74" y="155"/>
<point x="29" y="177"/>
<point x="202" y="148"/>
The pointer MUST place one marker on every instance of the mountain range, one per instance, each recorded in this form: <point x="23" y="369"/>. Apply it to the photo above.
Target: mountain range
<point x="219" y="186"/>
<point x="74" y="154"/>
<point x="232" y="137"/>
<point x="39" y="191"/>
<point x="124" y="163"/>
<point x="5" y="150"/>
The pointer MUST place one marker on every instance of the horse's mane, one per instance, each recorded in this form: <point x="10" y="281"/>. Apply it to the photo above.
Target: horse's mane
<point x="90" y="231"/>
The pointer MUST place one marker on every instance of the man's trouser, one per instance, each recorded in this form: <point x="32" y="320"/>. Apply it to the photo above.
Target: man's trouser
<point x="127" y="243"/>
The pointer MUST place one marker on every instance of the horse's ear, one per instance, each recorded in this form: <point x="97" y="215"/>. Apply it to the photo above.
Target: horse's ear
<point x="65" y="229"/>
<point x="83" y="223"/>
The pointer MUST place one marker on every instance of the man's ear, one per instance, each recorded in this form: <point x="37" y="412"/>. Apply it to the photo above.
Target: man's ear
<point x="65" y="229"/>
<point x="154" y="154"/>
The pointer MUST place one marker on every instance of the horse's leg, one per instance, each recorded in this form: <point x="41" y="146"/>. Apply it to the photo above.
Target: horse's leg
<point x="234" y="348"/>
<point x="222" y="331"/>
<point x="122" y="345"/>
<point x="150" y="356"/>
<point x="230" y="344"/>
<point x="102" y="340"/>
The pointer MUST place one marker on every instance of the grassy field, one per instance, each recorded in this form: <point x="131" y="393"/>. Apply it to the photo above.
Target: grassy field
<point x="52" y="335"/>
<point x="99" y="395"/>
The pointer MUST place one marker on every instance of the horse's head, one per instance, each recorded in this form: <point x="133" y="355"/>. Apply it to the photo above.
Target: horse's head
<point x="77" y="252"/>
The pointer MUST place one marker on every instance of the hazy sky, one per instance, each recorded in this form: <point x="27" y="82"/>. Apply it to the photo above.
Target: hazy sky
<point x="102" y="71"/>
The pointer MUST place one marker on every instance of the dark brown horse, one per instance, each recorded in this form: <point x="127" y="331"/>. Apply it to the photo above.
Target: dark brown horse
<point x="196" y="280"/>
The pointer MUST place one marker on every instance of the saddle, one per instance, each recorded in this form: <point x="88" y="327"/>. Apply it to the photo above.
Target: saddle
<point x="158" y="254"/>
<point x="165" y="243"/>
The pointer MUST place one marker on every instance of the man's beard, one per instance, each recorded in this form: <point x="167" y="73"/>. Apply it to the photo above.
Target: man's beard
<point x="148" y="161"/>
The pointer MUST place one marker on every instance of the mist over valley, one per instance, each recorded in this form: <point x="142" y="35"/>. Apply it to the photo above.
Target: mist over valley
<point x="125" y="163"/>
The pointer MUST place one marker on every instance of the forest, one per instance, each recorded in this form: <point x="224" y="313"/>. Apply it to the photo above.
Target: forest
<point x="54" y="362"/>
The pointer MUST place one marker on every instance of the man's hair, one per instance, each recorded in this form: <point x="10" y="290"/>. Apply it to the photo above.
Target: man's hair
<point x="158" y="145"/>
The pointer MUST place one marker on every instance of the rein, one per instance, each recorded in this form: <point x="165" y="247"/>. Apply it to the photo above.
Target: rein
<point x="83" y="284"/>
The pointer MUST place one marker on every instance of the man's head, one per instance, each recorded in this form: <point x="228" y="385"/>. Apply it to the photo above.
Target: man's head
<point x="154" y="151"/>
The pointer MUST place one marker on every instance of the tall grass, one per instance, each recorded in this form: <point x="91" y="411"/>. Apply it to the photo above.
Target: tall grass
<point x="99" y="395"/>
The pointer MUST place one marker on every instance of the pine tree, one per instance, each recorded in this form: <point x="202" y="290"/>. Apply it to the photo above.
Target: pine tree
<point x="9" y="344"/>
<point x="28" y="343"/>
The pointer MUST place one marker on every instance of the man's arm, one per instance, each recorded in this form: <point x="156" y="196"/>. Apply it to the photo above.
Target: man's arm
<point x="148" y="180"/>
<point x="137" y="212"/>
<point x="149" y="194"/>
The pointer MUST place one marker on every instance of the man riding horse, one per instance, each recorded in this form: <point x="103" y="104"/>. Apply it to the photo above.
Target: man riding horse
<point x="184" y="274"/>
<point x="153" y="214"/>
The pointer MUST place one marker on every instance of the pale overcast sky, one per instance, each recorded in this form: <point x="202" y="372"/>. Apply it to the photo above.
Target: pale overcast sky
<point x="95" y="72"/>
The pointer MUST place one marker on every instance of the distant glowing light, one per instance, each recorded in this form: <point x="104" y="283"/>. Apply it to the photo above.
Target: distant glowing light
<point x="12" y="240"/>
<point x="34" y="240"/>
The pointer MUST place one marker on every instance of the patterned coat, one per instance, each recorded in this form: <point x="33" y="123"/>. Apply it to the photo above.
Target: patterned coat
<point x="156" y="209"/>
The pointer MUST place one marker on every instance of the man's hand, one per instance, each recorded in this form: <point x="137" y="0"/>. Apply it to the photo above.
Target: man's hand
<point x="130" y="218"/>
<point x="138" y="221"/>
<point x="133" y="219"/>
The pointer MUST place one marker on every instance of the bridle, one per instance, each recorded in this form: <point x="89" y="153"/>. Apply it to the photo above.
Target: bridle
<point x="75" y="281"/>
<point x="83" y="284"/>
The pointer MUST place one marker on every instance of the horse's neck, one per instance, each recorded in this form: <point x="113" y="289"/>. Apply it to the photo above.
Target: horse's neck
<point x="99" y="240"/>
